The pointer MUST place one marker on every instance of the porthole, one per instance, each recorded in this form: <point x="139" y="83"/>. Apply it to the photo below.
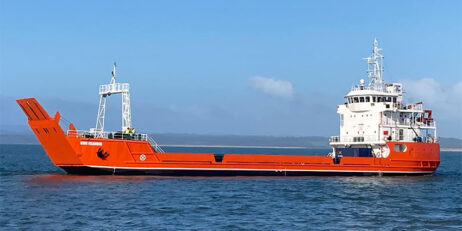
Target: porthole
<point x="400" y="147"/>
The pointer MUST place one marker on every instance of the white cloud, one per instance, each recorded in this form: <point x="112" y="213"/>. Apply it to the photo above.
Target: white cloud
<point x="272" y="86"/>
<point x="445" y="100"/>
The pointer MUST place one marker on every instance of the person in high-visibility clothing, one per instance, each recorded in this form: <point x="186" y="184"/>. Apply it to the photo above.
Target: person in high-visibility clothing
<point x="127" y="131"/>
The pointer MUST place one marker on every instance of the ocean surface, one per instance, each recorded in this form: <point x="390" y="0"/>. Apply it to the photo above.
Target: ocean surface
<point x="36" y="195"/>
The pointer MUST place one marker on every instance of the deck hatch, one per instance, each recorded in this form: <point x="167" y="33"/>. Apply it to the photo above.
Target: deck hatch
<point x="218" y="157"/>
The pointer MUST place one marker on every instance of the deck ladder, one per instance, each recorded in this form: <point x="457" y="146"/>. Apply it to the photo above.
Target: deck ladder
<point x="154" y="145"/>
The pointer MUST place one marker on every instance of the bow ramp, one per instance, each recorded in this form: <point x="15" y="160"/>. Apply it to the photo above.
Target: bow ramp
<point x="49" y="133"/>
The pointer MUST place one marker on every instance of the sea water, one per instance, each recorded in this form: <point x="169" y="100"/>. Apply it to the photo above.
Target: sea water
<point x="36" y="195"/>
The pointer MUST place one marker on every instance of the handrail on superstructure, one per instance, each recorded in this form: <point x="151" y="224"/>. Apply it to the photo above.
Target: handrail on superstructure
<point x="117" y="136"/>
<point x="154" y="145"/>
<point x="368" y="139"/>
<point x="108" y="135"/>
<point x="113" y="88"/>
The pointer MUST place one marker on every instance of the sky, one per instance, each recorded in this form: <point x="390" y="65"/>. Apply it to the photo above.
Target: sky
<point x="248" y="67"/>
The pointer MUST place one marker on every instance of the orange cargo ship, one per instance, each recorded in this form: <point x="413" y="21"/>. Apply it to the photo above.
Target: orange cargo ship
<point x="379" y="135"/>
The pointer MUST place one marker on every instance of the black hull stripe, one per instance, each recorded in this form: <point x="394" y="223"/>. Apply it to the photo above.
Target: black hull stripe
<point x="84" y="170"/>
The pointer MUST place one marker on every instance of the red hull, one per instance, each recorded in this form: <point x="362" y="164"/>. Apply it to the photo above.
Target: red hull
<point x="78" y="155"/>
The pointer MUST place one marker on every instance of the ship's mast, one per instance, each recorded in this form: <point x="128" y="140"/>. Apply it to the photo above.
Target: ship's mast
<point x="375" y="68"/>
<point x="106" y="90"/>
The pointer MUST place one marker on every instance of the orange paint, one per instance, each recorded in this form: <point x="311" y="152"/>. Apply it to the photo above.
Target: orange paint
<point x="73" y="151"/>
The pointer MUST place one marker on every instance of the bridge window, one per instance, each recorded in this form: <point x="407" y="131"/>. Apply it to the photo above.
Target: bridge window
<point x="368" y="99"/>
<point x="356" y="99"/>
<point x="400" y="147"/>
<point x="394" y="99"/>
<point x="361" y="99"/>
<point x="358" y="139"/>
<point x="374" y="99"/>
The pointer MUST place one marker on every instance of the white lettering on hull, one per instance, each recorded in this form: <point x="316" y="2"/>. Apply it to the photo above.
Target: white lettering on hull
<point x="91" y="143"/>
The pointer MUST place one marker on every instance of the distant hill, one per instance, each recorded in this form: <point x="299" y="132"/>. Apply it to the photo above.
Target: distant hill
<point x="450" y="143"/>
<point x="235" y="140"/>
<point x="228" y="140"/>
<point x="192" y="139"/>
<point x="17" y="139"/>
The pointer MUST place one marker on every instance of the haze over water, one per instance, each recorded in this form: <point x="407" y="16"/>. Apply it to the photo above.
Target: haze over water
<point x="37" y="195"/>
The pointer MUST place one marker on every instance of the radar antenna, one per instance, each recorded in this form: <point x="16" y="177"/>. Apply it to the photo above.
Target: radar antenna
<point x="375" y="68"/>
<point x="106" y="90"/>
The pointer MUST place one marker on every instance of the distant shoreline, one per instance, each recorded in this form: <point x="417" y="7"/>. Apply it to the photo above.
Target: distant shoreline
<point x="238" y="146"/>
<point x="241" y="146"/>
<point x="451" y="149"/>
<point x="232" y="141"/>
<point x="283" y="147"/>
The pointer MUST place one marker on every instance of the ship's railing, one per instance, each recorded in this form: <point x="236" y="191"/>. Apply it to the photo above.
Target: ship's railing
<point x="361" y="88"/>
<point x="352" y="139"/>
<point x="374" y="88"/>
<point x="154" y="145"/>
<point x="334" y="139"/>
<point x="359" y="139"/>
<point x="108" y="135"/>
<point x="113" y="88"/>
<point x="419" y="139"/>
<point x="416" y="106"/>
<point x="430" y="139"/>
<point x="390" y="122"/>
<point x="408" y="122"/>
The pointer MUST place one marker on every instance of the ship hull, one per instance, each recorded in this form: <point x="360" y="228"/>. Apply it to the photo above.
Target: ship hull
<point x="138" y="158"/>
<point x="102" y="156"/>
<point x="104" y="170"/>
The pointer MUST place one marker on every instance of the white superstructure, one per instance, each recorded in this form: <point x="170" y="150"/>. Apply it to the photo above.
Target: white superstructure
<point x="375" y="113"/>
